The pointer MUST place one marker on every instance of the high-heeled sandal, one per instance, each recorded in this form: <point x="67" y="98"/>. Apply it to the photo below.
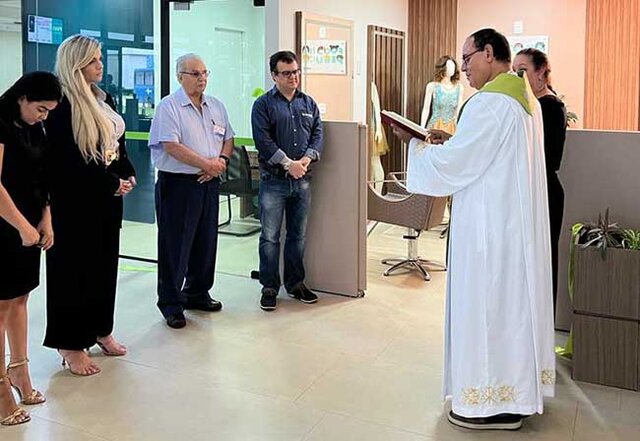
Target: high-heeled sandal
<point x="66" y="363"/>
<point x="19" y="416"/>
<point x="34" y="397"/>
<point x="108" y="352"/>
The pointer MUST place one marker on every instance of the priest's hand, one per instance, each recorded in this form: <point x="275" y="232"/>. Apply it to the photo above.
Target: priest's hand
<point x="402" y="134"/>
<point x="437" y="136"/>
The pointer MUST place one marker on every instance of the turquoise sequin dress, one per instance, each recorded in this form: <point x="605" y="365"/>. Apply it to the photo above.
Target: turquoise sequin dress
<point x="444" y="107"/>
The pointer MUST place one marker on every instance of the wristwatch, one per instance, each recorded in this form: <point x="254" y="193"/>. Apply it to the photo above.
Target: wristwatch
<point x="226" y="159"/>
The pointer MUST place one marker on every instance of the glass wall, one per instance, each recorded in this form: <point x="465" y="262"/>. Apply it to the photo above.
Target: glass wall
<point x="227" y="34"/>
<point x="10" y="43"/>
<point x="125" y="29"/>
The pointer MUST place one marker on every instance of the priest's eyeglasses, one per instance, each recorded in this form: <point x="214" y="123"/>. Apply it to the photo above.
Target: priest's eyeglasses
<point x="467" y="58"/>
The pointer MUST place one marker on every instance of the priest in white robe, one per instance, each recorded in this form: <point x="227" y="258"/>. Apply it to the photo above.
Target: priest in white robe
<point x="499" y="341"/>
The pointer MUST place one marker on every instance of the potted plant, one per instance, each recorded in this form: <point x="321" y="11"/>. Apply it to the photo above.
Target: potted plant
<point x="605" y="286"/>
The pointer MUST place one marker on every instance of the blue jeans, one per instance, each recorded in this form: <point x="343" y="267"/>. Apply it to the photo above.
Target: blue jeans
<point x="283" y="197"/>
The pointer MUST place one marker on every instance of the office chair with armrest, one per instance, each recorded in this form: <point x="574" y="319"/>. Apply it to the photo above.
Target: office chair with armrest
<point x="238" y="182"/>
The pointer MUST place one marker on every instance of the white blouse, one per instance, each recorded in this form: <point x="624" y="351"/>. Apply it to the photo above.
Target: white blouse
<point x="111" y="149"/>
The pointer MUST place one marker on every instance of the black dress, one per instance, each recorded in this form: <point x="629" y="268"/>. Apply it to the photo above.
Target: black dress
<point x="24" y="179"/>
<point x="554" y="116"/>
<point x="82" y="266"/>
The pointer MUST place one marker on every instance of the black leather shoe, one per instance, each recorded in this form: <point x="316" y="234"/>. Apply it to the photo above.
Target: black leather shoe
<point x="210" y="305"/>
<point x="503" y="421"/>
<point x="176" y="321"/>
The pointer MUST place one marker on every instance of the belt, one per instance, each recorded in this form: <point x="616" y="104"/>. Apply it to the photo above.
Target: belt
<point x="172" y="175"/>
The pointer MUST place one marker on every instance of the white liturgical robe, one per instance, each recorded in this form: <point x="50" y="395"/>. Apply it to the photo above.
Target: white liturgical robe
<point x="499" y="341"/>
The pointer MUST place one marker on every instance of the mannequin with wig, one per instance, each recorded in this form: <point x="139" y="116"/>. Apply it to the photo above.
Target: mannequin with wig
<point x="443" y="97"/>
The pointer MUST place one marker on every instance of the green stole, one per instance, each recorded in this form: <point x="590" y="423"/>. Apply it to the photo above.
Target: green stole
<point x="510" y="84"/>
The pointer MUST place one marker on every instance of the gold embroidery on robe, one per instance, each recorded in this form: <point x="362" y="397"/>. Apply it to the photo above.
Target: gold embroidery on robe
<point x="548" y="376"/>
<point x="474" y="396"/>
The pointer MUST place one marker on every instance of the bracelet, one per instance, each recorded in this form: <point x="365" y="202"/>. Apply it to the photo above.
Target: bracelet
<point x="226" y="159"/>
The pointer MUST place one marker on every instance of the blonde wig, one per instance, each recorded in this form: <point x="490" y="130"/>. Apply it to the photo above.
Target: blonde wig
<point x="92" y="130"/>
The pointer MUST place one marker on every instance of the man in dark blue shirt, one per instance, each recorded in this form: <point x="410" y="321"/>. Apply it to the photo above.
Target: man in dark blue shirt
<point x="288" y="134"/>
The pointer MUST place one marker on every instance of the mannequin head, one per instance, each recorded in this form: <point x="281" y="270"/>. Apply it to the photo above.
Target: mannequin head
<point x="447" y="68"/>
<point x="536" y="65"/>
<point x="450" y="68"/>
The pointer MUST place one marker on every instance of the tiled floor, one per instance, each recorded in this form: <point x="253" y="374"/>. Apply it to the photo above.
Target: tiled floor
<point x="344" y="369"/>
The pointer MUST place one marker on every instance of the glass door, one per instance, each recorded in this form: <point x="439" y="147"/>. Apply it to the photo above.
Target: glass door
<point x="229" y="36"/>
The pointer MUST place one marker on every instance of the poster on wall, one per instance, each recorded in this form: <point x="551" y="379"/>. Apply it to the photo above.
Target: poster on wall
<point x="519" y="42"/>
<point x="325" y="57"/>
<point x="46" y="30"/>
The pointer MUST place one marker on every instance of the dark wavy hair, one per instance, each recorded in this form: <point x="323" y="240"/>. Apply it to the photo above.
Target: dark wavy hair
<point x="441" y="69"/>
<point x="498" y="42"/>
<point x="540" y="61"/>
<point x="33" y="86"/>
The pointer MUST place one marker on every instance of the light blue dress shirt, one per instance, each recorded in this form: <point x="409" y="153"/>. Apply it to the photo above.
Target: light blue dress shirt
<point x="178" y="120"/>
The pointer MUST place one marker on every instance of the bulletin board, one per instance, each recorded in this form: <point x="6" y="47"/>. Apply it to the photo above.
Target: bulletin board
<point x="324" y="46"/>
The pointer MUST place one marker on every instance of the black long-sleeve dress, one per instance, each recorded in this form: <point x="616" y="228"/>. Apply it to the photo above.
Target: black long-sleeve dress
<point x="82" y="266"/>
<point x="23" y="177"/>
<point x="554" y="116"/>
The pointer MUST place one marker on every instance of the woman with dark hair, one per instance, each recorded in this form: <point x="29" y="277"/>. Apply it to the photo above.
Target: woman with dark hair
<point x="443" y="97"/>
<point x="554" y="115"/>
<point x="25" y="227"/>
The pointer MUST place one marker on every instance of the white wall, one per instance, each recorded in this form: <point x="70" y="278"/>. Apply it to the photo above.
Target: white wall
<point x="11" y="65"/>
<point x="387" y="13"/>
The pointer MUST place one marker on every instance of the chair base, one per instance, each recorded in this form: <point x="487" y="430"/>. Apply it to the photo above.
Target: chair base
<point x="239" y="229"/>
<point x="416" y="263"/>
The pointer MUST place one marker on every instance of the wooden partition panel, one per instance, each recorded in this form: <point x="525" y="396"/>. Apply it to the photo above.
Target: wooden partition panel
<point x="612" y="77"/>
<point x="385" y="67"/>
<point x="432" y="34"/>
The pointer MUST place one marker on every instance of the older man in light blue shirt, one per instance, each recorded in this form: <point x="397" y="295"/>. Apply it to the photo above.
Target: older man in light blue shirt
<point x="191" y="141"/>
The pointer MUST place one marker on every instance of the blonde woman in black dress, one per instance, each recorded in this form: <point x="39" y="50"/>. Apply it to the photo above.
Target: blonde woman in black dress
<point x="90" y="175"/>
<point x="25" y="227"/>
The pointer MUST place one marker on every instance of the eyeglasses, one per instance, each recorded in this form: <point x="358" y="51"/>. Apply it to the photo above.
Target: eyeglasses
<point x="203" y="74"/>
<point x="467" y="58"/>
<point x="288" y="73"/>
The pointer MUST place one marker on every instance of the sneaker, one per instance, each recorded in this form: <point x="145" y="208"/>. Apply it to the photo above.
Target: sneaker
<point x="503" y="421"/>
<point x="304" y="294"/>
<point x="268" y="299"/>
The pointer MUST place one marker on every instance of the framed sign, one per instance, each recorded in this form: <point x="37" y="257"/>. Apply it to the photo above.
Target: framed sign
<point x="324" y="46"/>
<point x="324" y="57"/>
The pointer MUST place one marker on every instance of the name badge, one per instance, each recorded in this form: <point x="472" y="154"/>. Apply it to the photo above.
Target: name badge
<point x="218" y="130"/>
